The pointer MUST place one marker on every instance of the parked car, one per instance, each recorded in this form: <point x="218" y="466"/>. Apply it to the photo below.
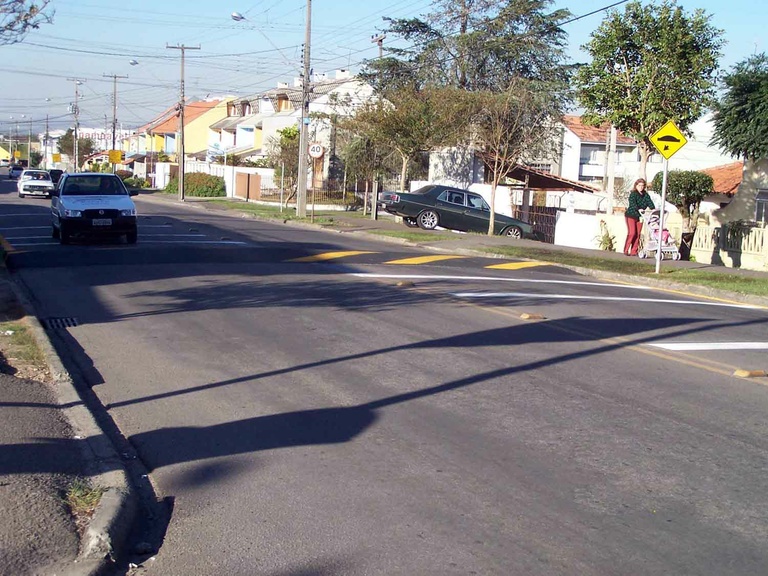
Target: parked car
<point x="432" y="206"/>
<point x="35" y="183"/>
<point x="4" y="162"/>
<point x="92" y="204"/>
<point x="55" y="175"/>
<point x="15" y="171"/>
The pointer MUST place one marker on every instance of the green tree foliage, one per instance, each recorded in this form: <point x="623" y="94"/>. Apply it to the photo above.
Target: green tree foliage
<point x="199" y="184"/>
<point x="85" y="146"/>
<point x="411" y="121"/>
<point x="284" y="157"/>
<point x="35" y="159"/>
<point x="650" y="64"/>
<point x="17" y="17"/>
<point x="475" y="45"/>
<point x="741" y="116"/>
<point x="685" y="189"/>
<point x="512" y="127"/>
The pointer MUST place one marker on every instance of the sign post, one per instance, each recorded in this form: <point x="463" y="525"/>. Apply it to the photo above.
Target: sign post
<point x="667" y="140"/>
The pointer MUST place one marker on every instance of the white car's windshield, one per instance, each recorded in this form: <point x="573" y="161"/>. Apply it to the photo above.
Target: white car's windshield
<point x="93" y="186"/>
<point x="36" y="175"/>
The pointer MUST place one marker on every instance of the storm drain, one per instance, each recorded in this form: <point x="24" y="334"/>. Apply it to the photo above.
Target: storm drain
<point x="56" y="323"/>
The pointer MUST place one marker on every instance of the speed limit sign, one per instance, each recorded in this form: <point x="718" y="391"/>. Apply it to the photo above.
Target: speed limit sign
<point x="316" y="150"/>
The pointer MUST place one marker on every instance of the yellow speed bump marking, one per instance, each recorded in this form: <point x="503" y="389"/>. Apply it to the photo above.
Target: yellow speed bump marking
<point x="329" y="256"/>
<point x="517" y="265"/>
<point x="750" y="373"/>
<point x="424" y="259"/>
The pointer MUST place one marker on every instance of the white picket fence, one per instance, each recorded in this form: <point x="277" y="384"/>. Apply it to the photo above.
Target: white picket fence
<point x="735" y="246"/>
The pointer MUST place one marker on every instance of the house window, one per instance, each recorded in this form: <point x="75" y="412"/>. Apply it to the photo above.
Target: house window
<point x="761" y="206"/>
<point x="592" y="155"/>
<point x="542" y="167"/>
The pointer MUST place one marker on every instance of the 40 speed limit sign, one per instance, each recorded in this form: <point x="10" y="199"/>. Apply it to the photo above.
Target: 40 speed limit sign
<point x="316" y="150"/>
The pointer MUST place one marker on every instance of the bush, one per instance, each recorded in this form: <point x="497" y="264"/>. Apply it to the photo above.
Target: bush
<point x="123" y="174"/>
<point x="199" y="184"/>
<point x="136" y="182"/>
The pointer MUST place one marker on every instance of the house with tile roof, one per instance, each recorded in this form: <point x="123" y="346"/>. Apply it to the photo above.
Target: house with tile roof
<point x="198" y="116"/>
<point x="749" y="188"/>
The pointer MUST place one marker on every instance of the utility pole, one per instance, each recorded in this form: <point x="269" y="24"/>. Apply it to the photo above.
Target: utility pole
<point x="379" y="39"/>
<point x="75" y="109"/>
<point x="301" y="181"/>
<point x="45" y="144"/>
<point x="114" y="111"/>
<point x="29" y="144"/>
<point x="180" y="149"/>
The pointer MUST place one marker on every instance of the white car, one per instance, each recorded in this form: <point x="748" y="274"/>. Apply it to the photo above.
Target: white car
<point x="92" y="204"/>
<point x="4" y="162"/>
<point x="35" y="183"/>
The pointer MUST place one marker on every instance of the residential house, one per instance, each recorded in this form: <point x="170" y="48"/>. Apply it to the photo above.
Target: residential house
<point x="725" y="182"/>
<point x="198" y="116"/>
<point x="750" y="199"/>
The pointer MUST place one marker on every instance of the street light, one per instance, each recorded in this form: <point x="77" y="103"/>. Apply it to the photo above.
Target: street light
<point x="237" y="17"/>
<point x="133" y="62"/>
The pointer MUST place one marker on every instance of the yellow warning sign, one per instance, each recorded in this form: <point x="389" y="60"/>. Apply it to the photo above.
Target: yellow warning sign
<point x="668" y="140"/>
<point x="115" y="156"/>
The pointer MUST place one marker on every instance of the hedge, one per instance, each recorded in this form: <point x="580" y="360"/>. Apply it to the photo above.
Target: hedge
<point x="198" y="184"/>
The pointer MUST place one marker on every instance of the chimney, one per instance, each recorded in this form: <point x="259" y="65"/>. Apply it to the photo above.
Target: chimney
<point x="342" y="74"/>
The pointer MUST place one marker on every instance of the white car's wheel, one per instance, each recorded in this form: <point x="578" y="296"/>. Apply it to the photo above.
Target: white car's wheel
<point x="513" y="232"/>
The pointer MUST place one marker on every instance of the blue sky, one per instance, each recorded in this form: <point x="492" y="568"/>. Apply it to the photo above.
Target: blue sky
<point x="90" y="39"/>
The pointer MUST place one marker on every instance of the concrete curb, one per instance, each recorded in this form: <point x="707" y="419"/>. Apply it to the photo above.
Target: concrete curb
<point x="110" y="525"/>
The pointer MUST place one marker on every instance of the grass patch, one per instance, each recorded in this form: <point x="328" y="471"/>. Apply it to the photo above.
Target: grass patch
<point x="82" y="498"/>
<point x="722" y="281"/>
<point x="413" y="236"/>
<point x="20" y="345"/>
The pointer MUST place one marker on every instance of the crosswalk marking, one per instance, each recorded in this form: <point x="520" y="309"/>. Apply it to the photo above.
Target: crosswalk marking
<point x="424" y="259"/>
<point x="329" y="256"/>
<point x="704" y="346"/>
<point x="516" y="265"/>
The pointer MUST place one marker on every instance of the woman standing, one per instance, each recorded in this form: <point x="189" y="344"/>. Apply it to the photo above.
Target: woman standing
<point x="638" y="200"/>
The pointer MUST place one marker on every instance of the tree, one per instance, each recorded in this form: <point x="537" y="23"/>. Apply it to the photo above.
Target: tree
<point x="685" y="189"/>
<point x="475" y="45"/>
<point x="284" y="157"/>
<point x="651" y="64"/>
<point x="741" y="116"/>
<point x="85" y="146"/>
<point x="510" y="127"/>
<point x="411" y="121"/>
<point x="17" y="17"/>
<point x="36" y="159"/>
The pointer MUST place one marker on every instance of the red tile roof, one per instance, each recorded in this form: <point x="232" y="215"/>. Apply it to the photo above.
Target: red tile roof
<point x="727" y="177"/>
<point x="192" y="111"/>
<point x="593" y="134"/>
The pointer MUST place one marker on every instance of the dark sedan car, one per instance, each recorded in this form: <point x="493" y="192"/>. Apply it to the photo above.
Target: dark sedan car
<point x="56" y="175"/>
<point x="452" y="208"/>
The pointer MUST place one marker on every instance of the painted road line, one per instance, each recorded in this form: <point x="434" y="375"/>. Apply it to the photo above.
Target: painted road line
<point x="17" y="215"/>
<point x="705" y="346"/>
<point x="424" y="259"/>
<point x="14" y="238"/>
<point x="230" y="242"/>
<point x="477" y="295"/>
<point x="517" y="265"/>
<point x="36" y="243"/>
<point x="173" y="235"/>
<point x="494" y="279"/>
<point x="329" y="256"/>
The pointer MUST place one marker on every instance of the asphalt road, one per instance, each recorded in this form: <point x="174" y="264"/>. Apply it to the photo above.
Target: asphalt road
<point x="315" y="417"/>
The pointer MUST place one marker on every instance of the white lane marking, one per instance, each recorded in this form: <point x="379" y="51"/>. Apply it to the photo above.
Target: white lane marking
<point x="154" y="225"/>
<point x="16" y="215"/>
<point x="194" y="242"/>
<point x="36" y="244"/>
<point x="496" y="279"/>
<point x="698" y="346"/>
<point x="173" y="235"/>
<point x="11" y="238"/>
<point x="602" y="298"/>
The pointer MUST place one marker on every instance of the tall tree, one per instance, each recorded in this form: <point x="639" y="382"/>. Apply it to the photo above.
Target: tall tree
<point x="85" y="146"/>
<point x="411" y="121"/>
<point x="650" y="64"/>
<point x="741" y="116"/>
<point x="17" y="17"/>
<point x="512" y="127"/>
<point x="475" y="45"/>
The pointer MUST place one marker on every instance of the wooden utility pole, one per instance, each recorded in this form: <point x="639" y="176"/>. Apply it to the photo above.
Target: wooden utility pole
<point x="114" y="111"/>
<point x="180" y="148"/>
<point x="301" y="180"/>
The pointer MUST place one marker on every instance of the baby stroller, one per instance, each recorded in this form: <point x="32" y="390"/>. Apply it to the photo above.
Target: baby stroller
<point x="653" y="236"/>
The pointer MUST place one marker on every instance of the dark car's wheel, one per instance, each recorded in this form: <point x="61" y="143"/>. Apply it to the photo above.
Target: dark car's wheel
<point x="410" y="222"/>
<point x="428" y="220"/>
<point x="132" y="236"/>
<point x="513" y="232"/>
<point x="63" y="234"/>
<point x="21" y="195"/>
